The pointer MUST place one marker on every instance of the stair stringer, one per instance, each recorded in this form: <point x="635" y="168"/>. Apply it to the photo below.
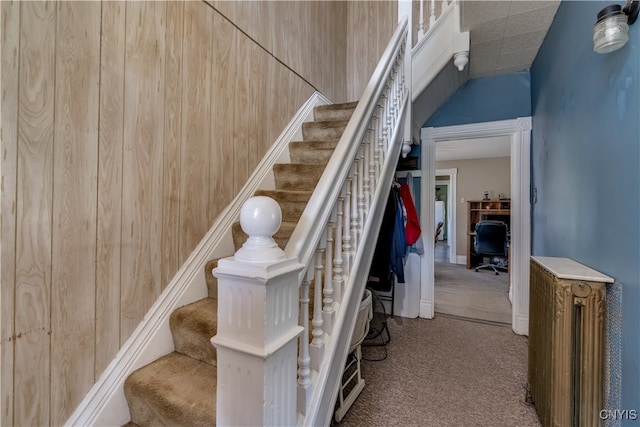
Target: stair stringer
<point x="105" y="403"/>
<point x="436" y="49"/>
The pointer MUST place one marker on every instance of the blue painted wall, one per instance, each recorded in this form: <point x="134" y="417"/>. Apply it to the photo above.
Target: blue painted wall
<point x="586" y="163"/>
<point x="487" y="99"/>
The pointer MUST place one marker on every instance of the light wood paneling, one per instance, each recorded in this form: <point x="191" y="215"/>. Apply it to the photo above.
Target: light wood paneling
<point x="9" y="46"/>
<point x="109" y="192"/>
<point x="254" y="18"/>
<point x="34" y="213"/>
<point x="357" y="24"/>
<point x="241" y="113"/>
<point x="126" y="128"/>
<point x="223" y="86"/>
<point x="258" y="104"/>
<point x="75" y="170"/>
<point x="142" y="163"/>
<point x="196" y="104"/>
<point x="370" y="25"/>
<point x="172" y="142"/>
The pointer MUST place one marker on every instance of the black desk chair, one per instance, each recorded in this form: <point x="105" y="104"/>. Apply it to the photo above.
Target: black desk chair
<point x="491" y="241"/>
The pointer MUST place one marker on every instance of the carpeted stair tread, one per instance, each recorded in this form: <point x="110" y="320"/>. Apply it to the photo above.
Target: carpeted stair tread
<point x="292" y="202"/>
<point x="312" y="151"/>
<point x="281" y="237"/>
<point x="173" y="390"/>
<point x="192" y="327"/>
<point x="179" y="389"/>
<point x="212" y="281"/>
<point x="329" y="129"/>
<point x="297" y="176"/>
<point x="334" y="111"/>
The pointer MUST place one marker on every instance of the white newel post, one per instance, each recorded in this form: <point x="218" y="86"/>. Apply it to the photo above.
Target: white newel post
<point x="257" y="325"/>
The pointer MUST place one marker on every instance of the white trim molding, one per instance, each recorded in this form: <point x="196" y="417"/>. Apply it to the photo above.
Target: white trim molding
<point x="519" y="131"/>
<point x="451" y="210"/>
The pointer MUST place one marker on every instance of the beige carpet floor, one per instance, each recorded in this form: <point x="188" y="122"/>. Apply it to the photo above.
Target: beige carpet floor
<point x="443" y="372"/>
<point x="467" y="293"/>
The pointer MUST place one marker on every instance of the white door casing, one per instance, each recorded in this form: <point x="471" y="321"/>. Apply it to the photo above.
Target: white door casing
<point x="451" y="211"/>
<point x="519" y="131"/>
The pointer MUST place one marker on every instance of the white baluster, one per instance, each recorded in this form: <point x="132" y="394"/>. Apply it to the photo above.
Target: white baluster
<point x="354" y="211"/>
<point x="361" y="202"/>
<point x="372" y="155"/>
<point x="346" y="235"/>
<point x="432" y="19"/>
<point x="421" y="24"/>
<point x="327" y="309"/>
<point x="317" y="343"/>
<point x="377" y="137"/>
<point x="368" y="164"/>
<point x="304" y="359"/>
<point x="337" y="259"/>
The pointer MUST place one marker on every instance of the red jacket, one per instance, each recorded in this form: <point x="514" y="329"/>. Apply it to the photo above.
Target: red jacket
<point x="412" y="227"/>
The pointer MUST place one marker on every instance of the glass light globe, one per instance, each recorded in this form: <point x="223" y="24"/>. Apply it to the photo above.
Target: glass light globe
<point x="611" y="32"/>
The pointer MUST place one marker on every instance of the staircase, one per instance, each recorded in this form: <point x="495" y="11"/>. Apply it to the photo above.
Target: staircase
<point x="180" y="388"/>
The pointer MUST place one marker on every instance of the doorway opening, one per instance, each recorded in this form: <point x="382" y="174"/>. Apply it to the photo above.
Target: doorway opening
<point x="519" y="132"/>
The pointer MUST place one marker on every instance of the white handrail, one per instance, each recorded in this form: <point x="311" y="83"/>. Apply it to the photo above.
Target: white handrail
<point x="330" y="251"/>
<point x="345" y="212"/>
<point x="313" y="219"/>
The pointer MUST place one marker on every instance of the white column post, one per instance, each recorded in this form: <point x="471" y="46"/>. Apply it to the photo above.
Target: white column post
<point x="257" y="325"/>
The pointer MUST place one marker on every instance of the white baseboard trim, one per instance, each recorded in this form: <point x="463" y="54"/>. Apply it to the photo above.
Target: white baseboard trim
<point x="461" y="259"/>
<point x="521" y="324"/>
<point x="427" y="310"/>
<point x="105" y="404"/>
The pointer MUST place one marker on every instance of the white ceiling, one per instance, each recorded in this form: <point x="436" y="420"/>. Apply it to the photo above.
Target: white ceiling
<point x="505" y="35"/>
<point x="477" y="148"/>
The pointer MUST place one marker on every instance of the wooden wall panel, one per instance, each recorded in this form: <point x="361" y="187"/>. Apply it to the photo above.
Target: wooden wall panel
<point x="223" y="86"/>
<point x="260" y="78"/>
<point x="75" y="170"/>
<point x="370" y="27"/>
<point x="34" y="213"/>
<point x="241" y="113"/>
<point x="357" y="27"/>
<point x="109" y="191"/>
<point x="194" y="176"/>
<point x="113" y="114"/>
<point x="171" y="259"/>
<point x="285" y="85"/>
<point x="10" y="55"/>
<point x="142" y="163"/>
<point x="254" y="18"/>
<point x="290" y="25"/>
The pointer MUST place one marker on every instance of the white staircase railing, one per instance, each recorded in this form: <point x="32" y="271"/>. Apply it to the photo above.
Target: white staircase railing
<point x="432" y="17"/>
<point x="442" y="40"/>
<point x="330" y="251"/>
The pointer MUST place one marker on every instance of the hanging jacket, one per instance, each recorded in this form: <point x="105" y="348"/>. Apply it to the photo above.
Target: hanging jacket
<point x="412" y="226"/>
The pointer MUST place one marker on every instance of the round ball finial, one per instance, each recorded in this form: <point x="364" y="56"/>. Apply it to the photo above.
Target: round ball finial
<point x="260" y="218"/>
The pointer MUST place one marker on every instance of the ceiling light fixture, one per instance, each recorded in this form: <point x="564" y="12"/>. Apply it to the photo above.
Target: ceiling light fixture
<point x="611" y="31"/>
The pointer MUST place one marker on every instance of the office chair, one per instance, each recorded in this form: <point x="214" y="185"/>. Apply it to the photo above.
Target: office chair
<point x="491" y="241"/>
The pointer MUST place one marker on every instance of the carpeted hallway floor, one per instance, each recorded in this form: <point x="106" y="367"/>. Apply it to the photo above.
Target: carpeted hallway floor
<point x="450" y="370"/>
<point x="477" y="295"/>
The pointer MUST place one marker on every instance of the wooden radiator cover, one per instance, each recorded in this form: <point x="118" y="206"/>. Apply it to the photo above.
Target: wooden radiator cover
<point x="566" y="341"/>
